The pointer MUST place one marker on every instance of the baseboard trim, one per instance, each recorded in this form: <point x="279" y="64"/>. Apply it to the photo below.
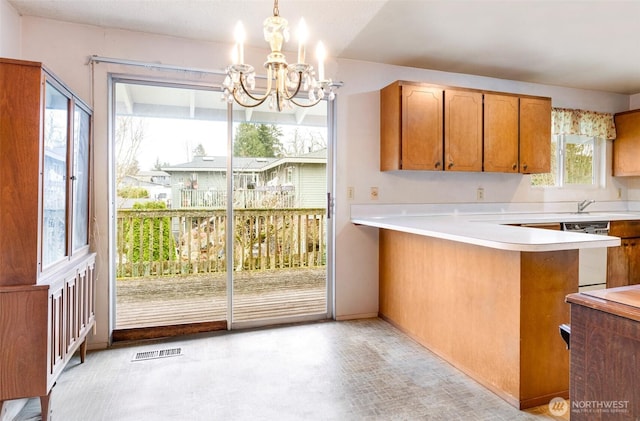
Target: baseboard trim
<point x="357" y="316"/>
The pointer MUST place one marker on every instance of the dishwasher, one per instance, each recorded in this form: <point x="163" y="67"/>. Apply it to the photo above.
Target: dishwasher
<point x="592" y="262"/>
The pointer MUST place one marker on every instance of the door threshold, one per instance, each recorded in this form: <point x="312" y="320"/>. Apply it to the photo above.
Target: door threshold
<point x="157" y="332"/>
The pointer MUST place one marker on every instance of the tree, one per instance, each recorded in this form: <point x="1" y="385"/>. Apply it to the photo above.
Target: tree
<point x="129" y="136"/>
<point x="150" y="237"/>
<point x="159" y="165"/>
<point x="199" y="150"/>
<point x="304" y="140"/>
<point x="257" y="140"/>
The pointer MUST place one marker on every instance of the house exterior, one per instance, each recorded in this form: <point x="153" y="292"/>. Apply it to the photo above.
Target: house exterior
<point x="293" y="182"/>
<point x="157" y="184"/>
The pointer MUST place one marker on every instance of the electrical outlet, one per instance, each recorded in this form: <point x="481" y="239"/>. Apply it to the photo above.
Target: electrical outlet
<point x="374" y="193"/>
<point x="480" y="194"/>
<point x="350" y="193"/>
<point x="619" y="192"/>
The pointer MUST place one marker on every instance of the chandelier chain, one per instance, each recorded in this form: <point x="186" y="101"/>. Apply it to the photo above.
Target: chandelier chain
<point x="276" y="11"/>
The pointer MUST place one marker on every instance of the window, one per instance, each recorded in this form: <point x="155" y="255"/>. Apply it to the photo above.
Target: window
<point x="578" y="148"/>
<point x="575" y="161"/>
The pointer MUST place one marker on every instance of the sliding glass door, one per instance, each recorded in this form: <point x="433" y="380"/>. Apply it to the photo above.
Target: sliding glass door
<point x="280" y="165"/>
<point x="200" y="189"/>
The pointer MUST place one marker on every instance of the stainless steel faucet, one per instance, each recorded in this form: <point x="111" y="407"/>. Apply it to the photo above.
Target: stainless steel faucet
<point x="583" y="205"/>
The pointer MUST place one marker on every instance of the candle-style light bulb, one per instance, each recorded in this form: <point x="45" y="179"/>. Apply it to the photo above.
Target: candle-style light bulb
<point x="234" y="54"/>
<point x="240" y="37"/>
<point x="303" y="34"/>
<point x="321" y="55"/>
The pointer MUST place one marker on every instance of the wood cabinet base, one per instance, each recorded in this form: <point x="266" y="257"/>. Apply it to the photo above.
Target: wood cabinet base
<point x="493" y="314"/>
<point x="41" y="328"/>
<point x="605" y="370"/>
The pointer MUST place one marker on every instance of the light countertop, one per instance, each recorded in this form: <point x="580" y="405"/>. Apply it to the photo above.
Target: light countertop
<point x="493" y="229"/>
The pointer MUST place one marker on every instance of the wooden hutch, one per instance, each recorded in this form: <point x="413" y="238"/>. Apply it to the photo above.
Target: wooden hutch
<point x="47" y="272"/>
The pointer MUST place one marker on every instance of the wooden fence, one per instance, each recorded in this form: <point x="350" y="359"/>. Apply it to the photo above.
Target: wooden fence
<point x="189" y="241"/>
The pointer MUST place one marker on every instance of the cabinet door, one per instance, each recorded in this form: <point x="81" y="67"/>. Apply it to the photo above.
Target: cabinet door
<point x="501" y="116"/>
<point x="54" y="199"/>
<point x="463" y="130"/>
<point x="80" y="178"/>
<point x="57" y="348"/>
<point x="535" y="135"/>
<point x="633" y="256"/>
<point x="421" y="128"/>
<point x="626" y="146"/>
<point x="618" y="265"/>
<point x="71" y="296"/>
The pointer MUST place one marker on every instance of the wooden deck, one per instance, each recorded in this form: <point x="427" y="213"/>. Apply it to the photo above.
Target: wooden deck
<point x="149" y="302"/>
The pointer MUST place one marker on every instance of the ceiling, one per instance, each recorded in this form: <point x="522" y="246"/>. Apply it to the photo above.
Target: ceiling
<point x="585" y="44"/>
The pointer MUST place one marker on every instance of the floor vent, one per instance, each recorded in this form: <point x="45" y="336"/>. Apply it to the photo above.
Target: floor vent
<point x="159" y="353"/>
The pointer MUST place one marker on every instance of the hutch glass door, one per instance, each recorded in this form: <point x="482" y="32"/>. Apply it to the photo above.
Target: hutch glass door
<point x="54" y="228"/>
<point x="80" y="178"/>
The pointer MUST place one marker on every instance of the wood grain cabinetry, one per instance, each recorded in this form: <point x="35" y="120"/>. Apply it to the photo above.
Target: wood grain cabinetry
<point x="411" y="127"/>
<point x="47" y="280"/>
<point x="535" y="135"/>
<point x="626" y="146"/>
<point x="462" y="130"/>
<point x="41" y="327"/>
<point x="426" y="127"/>
<point x="501" y="133"/>
<point x="623" y="262"/>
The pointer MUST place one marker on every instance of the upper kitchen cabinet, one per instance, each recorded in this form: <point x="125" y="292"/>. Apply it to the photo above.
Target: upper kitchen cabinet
<point x="535" y="135"/>
<point x="411" y="126"/>
<point x="462" y="130"/>
<point x="501" y="131"/>
<point x="427" y="127"/>
<point x="626" y="146"/>
<point x="44" y="173"/>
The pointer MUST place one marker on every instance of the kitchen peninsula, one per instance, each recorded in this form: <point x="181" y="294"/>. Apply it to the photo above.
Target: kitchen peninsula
<point x="485" y="294"/>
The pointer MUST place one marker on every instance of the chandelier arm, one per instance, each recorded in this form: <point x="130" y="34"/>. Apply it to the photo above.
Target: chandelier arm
<point x="239" y="100"/>
<point x="290" y="96"/>
<point x="308" y="105"/>
<point x="255" y="98"/>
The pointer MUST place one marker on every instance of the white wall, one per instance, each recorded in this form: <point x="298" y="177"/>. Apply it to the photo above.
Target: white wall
<point x="10" y="35"/>
<point x="65" y="49"/>
<point x="634" y="102"/>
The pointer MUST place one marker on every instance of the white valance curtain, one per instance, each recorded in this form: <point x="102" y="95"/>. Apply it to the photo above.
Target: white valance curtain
<point x="581" y="122"/>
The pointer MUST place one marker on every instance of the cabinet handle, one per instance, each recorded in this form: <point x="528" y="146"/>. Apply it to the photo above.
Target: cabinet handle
<point x="514" y="166"/>
<point x="524" y="167"/>
<point x="437" y="164"/>
<point x="450" y="165"/>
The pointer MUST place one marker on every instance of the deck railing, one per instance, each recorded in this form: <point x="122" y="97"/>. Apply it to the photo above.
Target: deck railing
<point x="262" y="197"/>
<point x="188" y="241"/>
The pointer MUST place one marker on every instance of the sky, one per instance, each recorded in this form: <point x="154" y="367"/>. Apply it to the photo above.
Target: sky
<point x="173" y="140"/>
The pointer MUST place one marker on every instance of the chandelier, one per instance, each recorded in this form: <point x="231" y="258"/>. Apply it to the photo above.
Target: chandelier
<point x="286" y="83"/>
